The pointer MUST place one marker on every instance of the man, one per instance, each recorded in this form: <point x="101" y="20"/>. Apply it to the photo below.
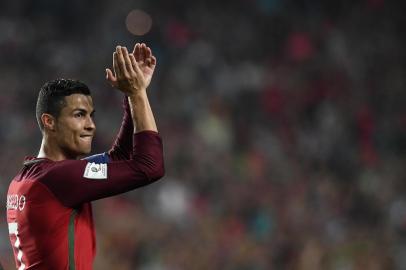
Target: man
<point x="48" y="203"/>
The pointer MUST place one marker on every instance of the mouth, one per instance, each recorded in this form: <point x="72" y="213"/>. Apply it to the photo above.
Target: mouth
<point x="86" y="137"/>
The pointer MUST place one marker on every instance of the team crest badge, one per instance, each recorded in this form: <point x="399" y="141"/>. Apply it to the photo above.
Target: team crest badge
<point x="95" y="171"/>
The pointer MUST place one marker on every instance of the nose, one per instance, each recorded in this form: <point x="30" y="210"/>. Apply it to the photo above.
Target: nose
<point x="90" y="126"/>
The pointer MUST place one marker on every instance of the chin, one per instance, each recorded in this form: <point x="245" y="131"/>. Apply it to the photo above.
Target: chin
<point x="87" y="151"/>
<point x="77" y="151"/>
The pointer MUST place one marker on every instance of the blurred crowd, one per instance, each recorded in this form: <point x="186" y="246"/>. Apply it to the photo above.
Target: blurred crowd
<point x="283" y="122"/>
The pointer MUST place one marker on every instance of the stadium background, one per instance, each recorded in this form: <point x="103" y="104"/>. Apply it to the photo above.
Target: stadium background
<point x="283" y="121"/>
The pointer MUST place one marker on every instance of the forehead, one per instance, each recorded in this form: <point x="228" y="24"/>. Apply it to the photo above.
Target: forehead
<point x="78" y="101"/>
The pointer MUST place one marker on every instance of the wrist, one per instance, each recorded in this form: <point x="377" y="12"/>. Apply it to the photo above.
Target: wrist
<point x="142" y="93"/>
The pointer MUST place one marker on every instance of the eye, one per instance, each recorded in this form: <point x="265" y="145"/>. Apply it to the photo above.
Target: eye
<point x="79" y="115"/>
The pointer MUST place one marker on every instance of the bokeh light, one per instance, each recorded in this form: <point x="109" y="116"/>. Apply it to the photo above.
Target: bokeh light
<point x="138" y="22"/>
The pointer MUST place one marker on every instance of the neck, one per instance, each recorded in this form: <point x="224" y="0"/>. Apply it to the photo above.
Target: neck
<point x="52" y="151"/>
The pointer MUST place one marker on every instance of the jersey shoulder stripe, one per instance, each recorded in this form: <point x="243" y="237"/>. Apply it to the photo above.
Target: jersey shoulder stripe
<point x="98" y="158"/>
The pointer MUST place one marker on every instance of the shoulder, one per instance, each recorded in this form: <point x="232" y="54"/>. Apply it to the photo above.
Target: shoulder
<point x="33" y="169"/>
<point x="48" y="171"/>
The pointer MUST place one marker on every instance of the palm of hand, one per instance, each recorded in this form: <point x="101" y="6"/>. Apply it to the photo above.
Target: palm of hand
<point x="147" y="71"/>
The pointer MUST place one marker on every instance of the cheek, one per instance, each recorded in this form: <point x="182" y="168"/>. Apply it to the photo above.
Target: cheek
<point x="68" y="134"/>
<point x="68" y="138"/>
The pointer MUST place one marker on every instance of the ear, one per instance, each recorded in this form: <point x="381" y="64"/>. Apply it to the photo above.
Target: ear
<point x="48" y="121"/>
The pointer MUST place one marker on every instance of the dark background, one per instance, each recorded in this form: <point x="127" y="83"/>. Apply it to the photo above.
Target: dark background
<point x="284" y="127"/>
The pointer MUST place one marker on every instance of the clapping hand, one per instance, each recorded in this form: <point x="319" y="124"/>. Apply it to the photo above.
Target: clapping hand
<point x="132" y="71"/>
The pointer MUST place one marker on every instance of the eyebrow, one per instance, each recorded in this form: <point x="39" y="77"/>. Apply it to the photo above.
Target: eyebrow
<point x="84" y="111"/>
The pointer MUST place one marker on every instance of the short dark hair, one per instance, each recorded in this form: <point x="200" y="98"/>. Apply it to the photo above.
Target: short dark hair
<point x="51" y="97"/>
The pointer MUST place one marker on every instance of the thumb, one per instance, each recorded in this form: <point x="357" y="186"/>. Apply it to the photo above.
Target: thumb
<point x="111" y="78"/>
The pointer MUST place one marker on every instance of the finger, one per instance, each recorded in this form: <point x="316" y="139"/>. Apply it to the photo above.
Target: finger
<point x="135" y="46"/>
<point x="109" y="75"/>
<point x="111" y="78"/>
<point x="137" y="51"/>
<point x="148" y="55"/>
<point x="136" y="68"/>
<point x="115" y="65"/>
<point x="148" y="52"/>
<point x="121" y="62"/>
<point x="128" y="64"/>
<point x="153" y="60"/>
<point x="142" y="54"/>
<point x="133" y="61"/>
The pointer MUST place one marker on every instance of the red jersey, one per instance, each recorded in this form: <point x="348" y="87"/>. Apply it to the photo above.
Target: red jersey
<point x="49" y="213"/>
